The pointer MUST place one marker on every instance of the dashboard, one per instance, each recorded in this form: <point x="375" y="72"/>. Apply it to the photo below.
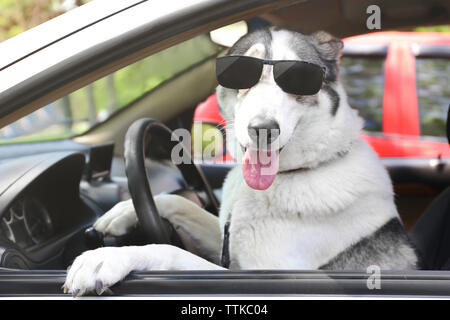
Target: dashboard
<point x="42" y="212"/>
<point x="49" y="196"/>
<point x="27" y="223"/>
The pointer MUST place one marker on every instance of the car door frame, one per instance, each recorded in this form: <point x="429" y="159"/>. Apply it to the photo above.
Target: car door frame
<point x="122" y="49"/>
<point x="254" y="283"/>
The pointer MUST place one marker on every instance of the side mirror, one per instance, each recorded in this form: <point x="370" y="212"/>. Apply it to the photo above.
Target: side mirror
<point x="208" y="141"/>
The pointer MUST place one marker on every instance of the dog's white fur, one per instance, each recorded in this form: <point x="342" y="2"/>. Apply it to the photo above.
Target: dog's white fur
<point x="305" y="219"/>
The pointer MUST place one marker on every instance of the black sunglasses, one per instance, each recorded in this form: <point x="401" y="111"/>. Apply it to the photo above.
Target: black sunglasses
<point x="296" y="77"/>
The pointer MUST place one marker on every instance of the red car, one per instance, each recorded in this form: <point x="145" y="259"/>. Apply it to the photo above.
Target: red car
<point x="399" y="82"/>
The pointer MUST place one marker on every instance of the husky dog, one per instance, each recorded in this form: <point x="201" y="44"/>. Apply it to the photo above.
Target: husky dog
<point x="326" y="201"/>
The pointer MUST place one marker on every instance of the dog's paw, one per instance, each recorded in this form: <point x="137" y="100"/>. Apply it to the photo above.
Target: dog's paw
<point x="171" y="204"/>
<point x="122" y="218"/>
<point x="118" y="221"/>
<point x="97" y="270"/>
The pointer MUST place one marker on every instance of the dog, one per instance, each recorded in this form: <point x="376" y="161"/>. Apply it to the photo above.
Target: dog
<point x="326" y="202"/>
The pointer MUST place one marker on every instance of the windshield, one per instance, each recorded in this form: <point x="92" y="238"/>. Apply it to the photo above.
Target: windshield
<point x="81" y="110"/>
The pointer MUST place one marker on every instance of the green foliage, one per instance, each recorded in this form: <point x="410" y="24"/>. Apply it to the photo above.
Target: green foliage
<point x="433" y="94"/>
<point x="445" y="28"/>
<point x="207" y="140"/>
<point x="363" y="81"/>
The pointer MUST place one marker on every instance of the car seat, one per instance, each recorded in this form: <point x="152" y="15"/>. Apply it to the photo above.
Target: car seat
<point x="431" y="233"/>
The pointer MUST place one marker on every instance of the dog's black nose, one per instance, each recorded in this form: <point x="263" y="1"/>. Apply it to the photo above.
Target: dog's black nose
<point x="263" y="131"/>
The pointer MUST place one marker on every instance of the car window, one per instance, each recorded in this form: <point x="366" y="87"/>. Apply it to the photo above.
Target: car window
<point x="208" y="141"/>
<point x="363" y="80"/>
<point x="79" y="111"/>
<point x="433" y="94"/>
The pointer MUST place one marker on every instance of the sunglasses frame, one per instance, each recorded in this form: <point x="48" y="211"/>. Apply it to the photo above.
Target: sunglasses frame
<point x="274" y="62"/>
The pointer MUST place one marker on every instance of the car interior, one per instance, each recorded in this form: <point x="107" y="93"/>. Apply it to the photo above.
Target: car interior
<point x="51" y="192"/>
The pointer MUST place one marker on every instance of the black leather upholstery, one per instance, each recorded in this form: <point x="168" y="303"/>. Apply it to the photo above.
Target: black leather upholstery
<point x="431" y="234"/>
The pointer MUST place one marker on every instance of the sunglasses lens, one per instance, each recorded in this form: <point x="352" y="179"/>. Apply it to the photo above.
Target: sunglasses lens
<point x="298" y="77"/>
<point x="238" y="72"/>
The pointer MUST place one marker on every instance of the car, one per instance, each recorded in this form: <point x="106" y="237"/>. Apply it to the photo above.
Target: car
<point x="100" y="68"/>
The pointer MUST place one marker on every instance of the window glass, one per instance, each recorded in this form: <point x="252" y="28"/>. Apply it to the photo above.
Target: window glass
<point x="208" y="140"/>
<point x="79" y="111"/>
<point x="433" y="94"/>
<point x="363" y="80"/>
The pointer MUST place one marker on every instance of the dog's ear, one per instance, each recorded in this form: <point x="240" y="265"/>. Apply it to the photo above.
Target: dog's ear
<point x="329" y="47"/>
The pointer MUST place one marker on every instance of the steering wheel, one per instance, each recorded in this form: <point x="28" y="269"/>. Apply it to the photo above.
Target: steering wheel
<point x="148" y="136"/>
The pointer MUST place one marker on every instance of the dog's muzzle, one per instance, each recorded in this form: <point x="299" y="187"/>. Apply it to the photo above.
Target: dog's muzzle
<point x="263" y="132"/>
<point x="260" y="163"/>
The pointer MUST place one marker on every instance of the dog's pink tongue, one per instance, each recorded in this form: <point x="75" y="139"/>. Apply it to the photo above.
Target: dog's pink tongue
<point x="260" y="168"/>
